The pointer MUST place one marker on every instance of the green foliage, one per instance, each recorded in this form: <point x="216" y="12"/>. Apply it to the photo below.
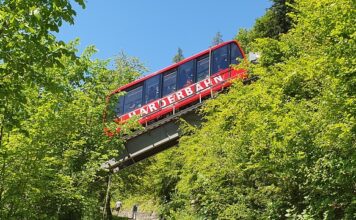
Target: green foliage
<point x="127" y="69"/>
<point x="50" y="167"/>
<point x="273" y="24"/>
<point x="179" y="56"/>
<point x="282" y="147"/>
<point x="51" y="135"/>
<point x="28" y="47"/>
<point x="276" y="21"/>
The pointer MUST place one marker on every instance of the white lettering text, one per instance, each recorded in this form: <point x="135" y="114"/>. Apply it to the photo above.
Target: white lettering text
<point x="218" y="79"/>
<point x="207" y="83"/>
<point x="199" y="87"/>
<point x="171" y="99"/>
<point x="163" y="103"/>
<point x="143" y="111"/>
<point x="152" y="107"/>
<point x="180" y="95"/>
<point x="189" y="91"/>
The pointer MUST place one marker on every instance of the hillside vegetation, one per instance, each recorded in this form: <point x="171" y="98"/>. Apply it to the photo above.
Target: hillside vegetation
<point x="51" y="104"/>
<point x="282" y="147"/>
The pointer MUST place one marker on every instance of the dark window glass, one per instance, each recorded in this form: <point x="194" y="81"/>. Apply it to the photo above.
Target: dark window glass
<point x="169" y="83"/>
<point x="235" y="53"/>
<point x="133" y="99"/>
<point x="186" y="74"/>
<point x="119" y="109"/>
<point x="152" y="89"/>
<point x="220" y="59"/>
<point x="202" y="68"/>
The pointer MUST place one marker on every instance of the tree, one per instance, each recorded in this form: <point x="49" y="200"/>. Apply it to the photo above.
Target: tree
<point x="51" y="103"/>
<point x="179" y="56"/>
<point x="29" y="53"/>
<point x="28" y="47"/>
<point x="52" y="169"/>
<point x="282" y="147"/>
<point x="275" y="22"/>
<point x="270" y="148"/>
<point x="281" y="10"/>
<point x="217" y="39"/>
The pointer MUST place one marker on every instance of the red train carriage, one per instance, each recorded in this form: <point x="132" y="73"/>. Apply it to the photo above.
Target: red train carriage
<point x="177" y="86"/>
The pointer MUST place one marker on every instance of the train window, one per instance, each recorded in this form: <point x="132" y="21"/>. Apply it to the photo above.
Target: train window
<point x="220" y="59"/>
<point x="133" y="99"/>
<point x="235" y="53"/>
<point x="152" y="89"/>
<point x="202" y="68"/>
<point x="119" y="109"/>
<point x="186" y="74"/>
<point x="169" y="83"/>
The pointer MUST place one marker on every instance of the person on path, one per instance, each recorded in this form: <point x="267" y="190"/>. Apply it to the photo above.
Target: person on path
<point x="118" y="206"/>
<point x="134" y="211"/>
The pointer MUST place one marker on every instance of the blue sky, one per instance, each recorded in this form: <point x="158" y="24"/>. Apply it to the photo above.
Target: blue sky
<point x="152" y="30"/>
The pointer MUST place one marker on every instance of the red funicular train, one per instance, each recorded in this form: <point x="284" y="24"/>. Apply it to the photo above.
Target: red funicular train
<point x="177" y="86"/>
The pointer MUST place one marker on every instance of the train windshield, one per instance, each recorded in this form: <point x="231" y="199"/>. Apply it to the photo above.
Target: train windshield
<point x="235" y="54"/>
<point x="220" y="59"/>
<point x="133" y="99"/>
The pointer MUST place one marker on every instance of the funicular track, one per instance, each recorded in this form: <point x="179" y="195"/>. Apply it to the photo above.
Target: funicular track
<point x="154" y="138"/>
<point x="167" y="119"/>
<point x="160" y="135"/>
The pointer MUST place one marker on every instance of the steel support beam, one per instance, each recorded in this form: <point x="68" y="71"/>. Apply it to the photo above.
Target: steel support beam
<point x="156" y="138"/>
